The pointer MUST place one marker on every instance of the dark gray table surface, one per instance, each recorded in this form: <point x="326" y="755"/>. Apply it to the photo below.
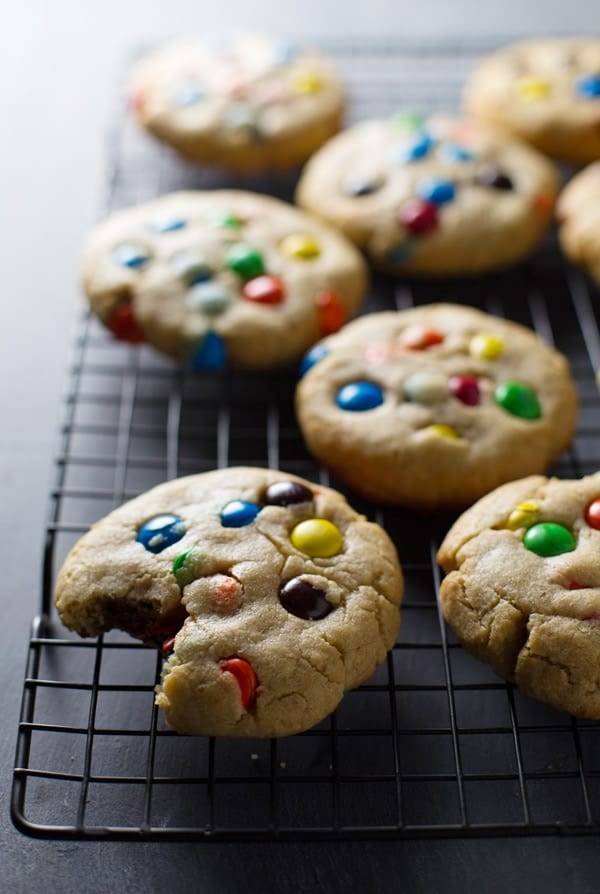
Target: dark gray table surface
<point x="58" y="65"/>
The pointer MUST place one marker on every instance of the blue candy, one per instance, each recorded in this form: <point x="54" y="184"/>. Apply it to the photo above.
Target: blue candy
<point x="418" y="148"/>
<point x="437" y="191"/>
<point x="160" y="532"/>
<point x="187" y="95"/>
<point x="129" y="255"/>
<point x="399" y="253"/>
<point x="589" y="86"/>
<point x="359" y="396"/>
<point x="314" y="356"/>
<point x="454" y="152"/>
<point x="211" y="353"/>
<point x="238" y="514"/>
<point x="168" y="224"/>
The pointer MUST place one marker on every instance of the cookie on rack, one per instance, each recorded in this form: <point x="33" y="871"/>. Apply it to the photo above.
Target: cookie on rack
<point x="523" y="587"/>
<point x="578" y="211"/>
<point x="223" y="275"/>
<point x="435" y="406"/>
<point x="248" y="104"/>
<point x="271" y="594"/>
<point x="546" y="92"/>
<point x="432" y="196"/>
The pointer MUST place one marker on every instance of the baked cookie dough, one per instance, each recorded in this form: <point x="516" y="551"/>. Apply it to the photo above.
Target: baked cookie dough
<point x="432" y="196"/>
<point x="271" y="596"/>
<point x="545" y="91"/>
<point x="249" y="104"/>
<point x="223" y="275"/>
<point x="578" y="211"/>
<point x="434" y="406"/>
<point x="523" y="589"/>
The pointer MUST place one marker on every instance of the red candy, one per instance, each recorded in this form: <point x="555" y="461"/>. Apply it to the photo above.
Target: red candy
<point x="244" y="674"/>
<point x="575" y="585"/>
<point x="264" y="290"/>
<point x="465" y="389"/>
<point x="419" y="338"/>
<point x="419" y="217"/>
<point x="168" y="645"/>
<point x="123" y="324"/>
<point x="331" y="312"/>
<point x="592" y="514"/>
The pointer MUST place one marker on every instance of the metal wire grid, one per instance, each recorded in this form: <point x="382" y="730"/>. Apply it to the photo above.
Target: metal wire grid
<point x="434" y="744"/>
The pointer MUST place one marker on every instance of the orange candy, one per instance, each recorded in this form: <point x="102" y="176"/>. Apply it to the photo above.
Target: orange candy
<point x="419" y="338"/>
<point x="245" y="676"/>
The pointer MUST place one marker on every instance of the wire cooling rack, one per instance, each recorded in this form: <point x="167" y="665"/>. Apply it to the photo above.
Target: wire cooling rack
<point x="434" y="744"/>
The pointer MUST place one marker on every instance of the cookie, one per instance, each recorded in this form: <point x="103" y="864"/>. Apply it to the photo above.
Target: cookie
<point x="431" y="196"/>
<point x="222" y="275"/>
<point x="578" y="211"/>
<point x="248" y="105"/>
<point x="271" y="596"/>
<point x="523" y="588"/>
<point x="545" y="91"/>
<point x="435" y="406"/>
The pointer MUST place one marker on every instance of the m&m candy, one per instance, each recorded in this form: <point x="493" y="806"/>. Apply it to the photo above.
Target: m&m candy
<point x="238" y="513"/>
<point x="415" y="149"/>
<point x="246" y="261"/>
<point x="123" y="324"/>
<point x="356" y="397"/>
<point x="443" y="431"/>
<point x="300" y="247"/>
<point x="592" y="514"/>
<point x="548" y="539"/>
<point x="437" y="191"/>
<point x="211" y="353"/>
<point x="128" y="254"/>
<point x="210" y="298"/>
<point x="485" y="346"/>
<point x="301" y="598"/>
<point x="264" y="290"/>
<point x="245" y="676"/>
<point x="419" y="338"/>
<point x="168" y="224"/>
<point x="287" y="493"/>
<point x="456" y="152"/>
<point x="318" y="538"/>
<point x="532" y="89"/>
<point x="494" y="178"/>
<point x="589" y="86"/>
<point x="524" y="516"/>
<point x="465" y="389"/>
<point x="312" y="357"/>
<point x="518" y="400"/>
<point x="190" y="267"/>
<point x="426" y="387"/>
<point x="331" y="312"/>
<point x="160" y="532"/>
<point x="418" y="216"/>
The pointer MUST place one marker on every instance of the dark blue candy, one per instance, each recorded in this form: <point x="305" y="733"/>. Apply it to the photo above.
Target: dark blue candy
<point x="437" y="191"/>
<point x="418" y="148"/>
<point x="160" y="532"/>
<point x="211" y="353"/>
<point x="168" y="224"/>
<point x="314" y="356"/>
<point x="187" y="95"/>
<point x="359" y="396"/>
<point x="454" y="152"/>
<point x="399" y="253"/>
<point x="238" y="514"/>
<point x="589" y="86"/>
<point x="130" y="255"/>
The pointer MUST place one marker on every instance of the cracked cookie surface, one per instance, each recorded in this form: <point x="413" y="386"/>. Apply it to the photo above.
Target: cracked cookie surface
<point x="221" y="276"/>
<point x="435" y="406"/>
<point x="523" y="587"/>
<point x="271" y="596"/>
<point x="432" y="196"/>
<point x="546" y="92"/>
<point x="247" y="104"/>
<point x="578" y="211"/>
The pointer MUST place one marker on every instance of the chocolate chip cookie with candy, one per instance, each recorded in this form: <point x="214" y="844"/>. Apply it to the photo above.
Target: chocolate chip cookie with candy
<point x="544" y="91"/>
<point x="432" y="196"/>
<point x="212" y="277"/>
<point x="434" y="406"/>
<point x="523" y="587"/>
<point x="271" y="597"/>
<point x="248" y="104"/>
<point x="578" y="213"/>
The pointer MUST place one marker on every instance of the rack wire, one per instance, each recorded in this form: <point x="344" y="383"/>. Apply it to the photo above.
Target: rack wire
<point x="434" y="744"/>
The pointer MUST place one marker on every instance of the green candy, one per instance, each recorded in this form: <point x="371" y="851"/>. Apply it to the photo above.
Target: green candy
<point x="186" y="565"/>
<point x="228" y="221"/>
<point x="408" y="121"/>
<point x="518" y="400"/>
<point x="247" y="262"/>
<point x="549" y="539"/>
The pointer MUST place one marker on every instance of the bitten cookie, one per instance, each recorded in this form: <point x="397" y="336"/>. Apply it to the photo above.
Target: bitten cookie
<point x="434" y="406"/>
<point x="523" y="589"/>
<point x="211" y="276"/>
<point x="545" y="91"/>
<point x="578" y="211"/>
<point x="248" y="104"/>
<point x="272" y="596"/>
<point x="432" y="196"/>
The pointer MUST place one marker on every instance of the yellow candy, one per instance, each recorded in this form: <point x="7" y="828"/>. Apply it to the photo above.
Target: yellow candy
<point x="444" y="431"/>
<point x="525" y="515"/>
<point x="486" y="347"/>
<point x="296" y="245"/>
<point x="306" y="82"/>
<point x="533" y="88"/>
<point x="318" y="538"/>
